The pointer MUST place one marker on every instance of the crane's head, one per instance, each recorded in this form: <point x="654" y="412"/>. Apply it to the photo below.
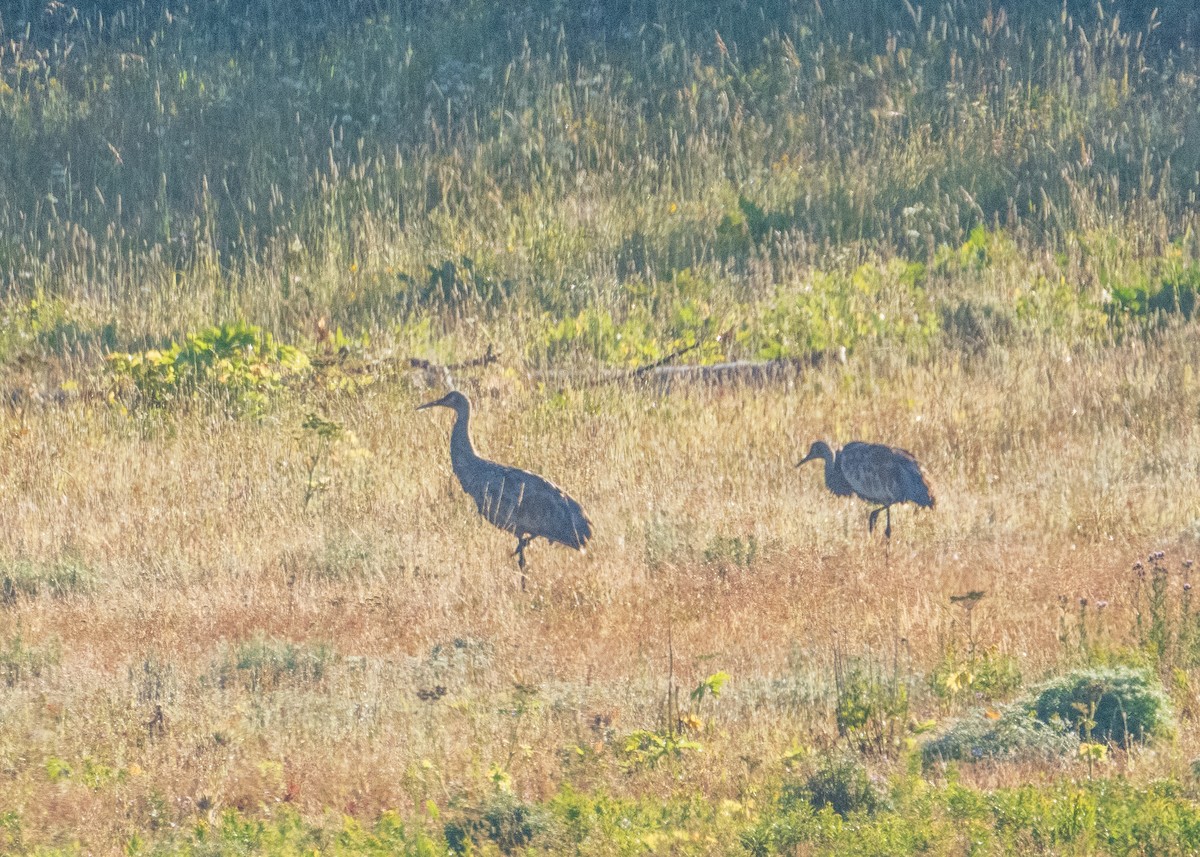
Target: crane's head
<point x="454" y="400"/>
<point x="819" y="449"/>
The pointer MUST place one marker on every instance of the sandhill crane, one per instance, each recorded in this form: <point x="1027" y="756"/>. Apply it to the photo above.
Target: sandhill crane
<point x="514" y="500"/>
<point x="876" y="473"/>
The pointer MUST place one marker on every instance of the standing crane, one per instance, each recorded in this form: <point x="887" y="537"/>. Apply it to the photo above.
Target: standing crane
<point x="876" y="473"/>
<point x="514" y="500"/>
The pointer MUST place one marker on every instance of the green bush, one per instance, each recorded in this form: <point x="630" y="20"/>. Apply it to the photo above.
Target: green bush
<point x="1012" y="734"/>
<point x="1116" y="704"/>
<point x="840" y="782"/>
<point x="873" y="303"/>
<point x="502" y="819"/>
<point x="1100" y="704"/>
<point x="236" y="365"/>
<point x="1171" y="292"/>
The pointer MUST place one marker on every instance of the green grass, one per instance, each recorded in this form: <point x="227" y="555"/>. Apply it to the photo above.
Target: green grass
<point x="1112" y="816"/>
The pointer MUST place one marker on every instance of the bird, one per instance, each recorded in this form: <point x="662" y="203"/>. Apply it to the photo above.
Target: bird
<point x="516" y="501"/>
<point x="875" y="472"/>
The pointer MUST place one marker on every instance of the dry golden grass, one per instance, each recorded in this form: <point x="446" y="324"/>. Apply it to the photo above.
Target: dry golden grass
<point x="1054" y="470"/>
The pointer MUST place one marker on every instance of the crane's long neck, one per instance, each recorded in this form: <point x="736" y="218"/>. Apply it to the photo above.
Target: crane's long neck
<point x="462" y="451"/>
<point x="832" y="474"/>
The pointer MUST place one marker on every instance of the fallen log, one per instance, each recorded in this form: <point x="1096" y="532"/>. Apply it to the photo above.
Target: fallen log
<point x="752" y="373"/>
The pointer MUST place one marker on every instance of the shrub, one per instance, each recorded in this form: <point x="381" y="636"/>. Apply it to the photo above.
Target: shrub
<point x="841" y="783"/>
<point x="238" y="365"/>
<point x="45" y="325"/>
<point x="502" y="819"/>
<point x="1096" y="704"/>
<point x="1173" y="292"/>
<point x="1012" y="734"/>
<point x="1114" y="704"/>
<point x="839" y="308"/>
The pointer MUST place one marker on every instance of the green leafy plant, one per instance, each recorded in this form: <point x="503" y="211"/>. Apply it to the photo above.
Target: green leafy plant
<point x="982" y="674"/>
<point x="979" y="251"/>
<point x="649" y="747"/>
<point x="967" y="669"/>
<point x="840" y="309"/>
<point x="871" y="707"/>
<point x="455" y="285"/>
<point x="319" y="436"/>
<point x="42" y="325"/>
<point x="1171" y="291"/>
<point x="237" y="366"/>
<point x="746" y="227"/>
<point x="1095" y="706"/>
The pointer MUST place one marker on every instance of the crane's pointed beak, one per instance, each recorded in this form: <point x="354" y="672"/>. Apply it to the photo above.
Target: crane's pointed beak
<point x="432" y="404"/>
<point x="806" y="459"/>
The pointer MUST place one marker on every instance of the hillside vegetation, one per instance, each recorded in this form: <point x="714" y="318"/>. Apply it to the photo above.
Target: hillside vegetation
<point x="244" y="606"/>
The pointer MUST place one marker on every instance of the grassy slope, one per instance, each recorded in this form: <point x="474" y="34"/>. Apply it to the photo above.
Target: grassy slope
<point x="978" y="209"/>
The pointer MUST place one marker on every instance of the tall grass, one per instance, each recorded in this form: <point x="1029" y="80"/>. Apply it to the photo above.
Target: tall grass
<point x="246" y="601"/>
<point x="284" y="174"/>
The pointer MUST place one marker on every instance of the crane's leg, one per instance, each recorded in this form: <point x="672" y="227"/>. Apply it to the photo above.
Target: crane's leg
<point x="519" y="553"/>
<point x="887" y="531"/>
<point x="871" y="519"/>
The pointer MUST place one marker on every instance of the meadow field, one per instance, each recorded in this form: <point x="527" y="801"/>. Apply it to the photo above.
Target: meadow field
<point x="245" y="607"/>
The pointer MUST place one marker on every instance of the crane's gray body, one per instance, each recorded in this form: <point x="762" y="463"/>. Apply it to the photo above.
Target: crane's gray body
<point x="877" y="473"/>
<point x="516" y="501"/>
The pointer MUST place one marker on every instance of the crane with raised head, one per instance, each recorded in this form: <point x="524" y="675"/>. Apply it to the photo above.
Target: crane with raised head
<point x="516" y="501"/>
<point x="875" y="472"/>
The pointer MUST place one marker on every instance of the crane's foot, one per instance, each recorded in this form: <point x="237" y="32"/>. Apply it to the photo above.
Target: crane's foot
<point x="887" y="532"/>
